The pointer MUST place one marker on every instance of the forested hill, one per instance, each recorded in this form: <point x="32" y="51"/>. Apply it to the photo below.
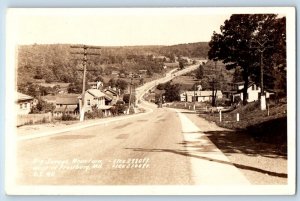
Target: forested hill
<point x="54" y="62"/>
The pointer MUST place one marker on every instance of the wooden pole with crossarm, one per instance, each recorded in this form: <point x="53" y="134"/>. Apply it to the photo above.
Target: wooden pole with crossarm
<point x="85" y="53"/>
<point x="261" y="47"/>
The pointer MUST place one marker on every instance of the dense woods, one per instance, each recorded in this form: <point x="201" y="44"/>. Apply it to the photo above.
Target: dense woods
<point x="56" y="63"/>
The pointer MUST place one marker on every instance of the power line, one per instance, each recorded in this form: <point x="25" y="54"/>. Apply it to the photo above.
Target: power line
<point x="84" y="53"/>
<point x="261" y="47"/>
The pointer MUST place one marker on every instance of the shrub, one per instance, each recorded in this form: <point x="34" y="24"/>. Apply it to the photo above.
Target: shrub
<point x="95" y="113"/>
<point x="66" y="117"/>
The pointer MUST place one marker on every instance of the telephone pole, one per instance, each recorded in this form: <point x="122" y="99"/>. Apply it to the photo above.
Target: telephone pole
<point x="261" y="47"/>
<point x="85" y="53"/>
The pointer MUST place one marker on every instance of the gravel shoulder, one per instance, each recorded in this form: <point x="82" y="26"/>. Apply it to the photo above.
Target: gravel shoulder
<point x="260" y="162"/>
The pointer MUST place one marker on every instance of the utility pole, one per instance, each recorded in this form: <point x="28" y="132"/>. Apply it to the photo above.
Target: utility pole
<point x="85" y="53"/>
<point x="213" y="83"/>
<point x="261" y="47"/>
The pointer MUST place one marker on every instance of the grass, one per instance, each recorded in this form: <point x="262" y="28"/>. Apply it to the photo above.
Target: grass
<point x="258" y="124"/>
<point x="186" y="82"/>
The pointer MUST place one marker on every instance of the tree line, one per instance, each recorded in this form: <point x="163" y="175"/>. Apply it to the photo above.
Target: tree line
<point x="236" y="46"/>
<point x="55" y="62"/>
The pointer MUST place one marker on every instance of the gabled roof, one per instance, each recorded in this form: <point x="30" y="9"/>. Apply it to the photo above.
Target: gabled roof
<point x="72" y="100"/>
<point x="111" y="91"/>
<point x="69" y="108"/>
<point x="97" y="94"/>
<point x="22" y="97"/>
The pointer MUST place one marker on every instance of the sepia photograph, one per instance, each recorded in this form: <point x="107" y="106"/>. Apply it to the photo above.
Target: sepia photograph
<point x="150" y="101"/>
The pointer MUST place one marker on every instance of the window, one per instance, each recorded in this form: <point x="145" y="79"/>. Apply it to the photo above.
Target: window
<point x="88" y="102"/>
<point x="25" y="105"/>
<point x="253" y="87"/>
<point x="21" y="106"/>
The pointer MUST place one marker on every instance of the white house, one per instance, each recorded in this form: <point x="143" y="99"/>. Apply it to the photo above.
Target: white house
<point x="198" y="96"/>
<point x="23" y="103"/>
<point x="253" y="92"/>
<point x="95" y="97"/>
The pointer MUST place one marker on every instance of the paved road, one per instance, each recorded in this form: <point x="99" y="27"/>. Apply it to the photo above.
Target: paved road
<point x="143" y="138"/>
<point x="163" y="147"/>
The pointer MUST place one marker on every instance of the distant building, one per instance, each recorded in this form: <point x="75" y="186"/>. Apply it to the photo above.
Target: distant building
<point x="161" y="58"/>
<point x="23" y="103"/>
<point x="95" y="85"/>
<point x="67" y="104"/>
<point x="115" y="73"/>
<point x="198" y="96"/>
<point x="97" y="98"/>
<point x="112" y="93"/>
<point x="122" y="75"/>
<point x="253" y="92"/>
<point x="172" y="65"/>
<point x="143" y="72"/>
<point x="39" y="81"/>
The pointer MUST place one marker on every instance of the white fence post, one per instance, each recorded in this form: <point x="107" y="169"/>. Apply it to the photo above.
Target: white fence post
<point x="220" y="112"/>
<point x="237" y="117"/>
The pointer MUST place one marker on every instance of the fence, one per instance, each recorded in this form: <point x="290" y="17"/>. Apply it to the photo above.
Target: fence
<point x="33" y="118"/>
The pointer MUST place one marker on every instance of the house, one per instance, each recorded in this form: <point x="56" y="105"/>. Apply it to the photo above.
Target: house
<point x="113" y="93"/>
<point x="161" y="58"/>
<point x="198" y="96"/>
<point x="143" y="72"/>
<point x="253" y="92"/>
<point x="98" y="99"/>
<point x="23" y="103"/>
<point x="122" y="75"/>
<point x="172" y="65"/>
<point x="115" y="73"/>
<point x="95" y="85"/>
<point x="67" y="104"/>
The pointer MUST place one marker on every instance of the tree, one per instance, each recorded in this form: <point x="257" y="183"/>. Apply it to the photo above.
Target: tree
<point x="76" y="87"/>
<point x="126" y="98"/>
<point x="42" y="107"/>
<point x="121" y="84"/>
<point x="200" y="72"/>
<point x="181" y="65"/>
<point x="232" y="45"/>
<point x="172" y="92"/>
<point x="141" y="81"/>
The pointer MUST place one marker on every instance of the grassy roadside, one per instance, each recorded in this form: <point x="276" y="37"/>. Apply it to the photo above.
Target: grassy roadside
<point x="257" y="144"/>
<point x="258" y="124"/>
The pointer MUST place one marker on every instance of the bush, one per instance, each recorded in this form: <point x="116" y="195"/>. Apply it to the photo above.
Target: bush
<point x="95" y="113"/>
<point x="223" y="102"/>
<point x="67" y="117"/>
<point x="118" y="109"/>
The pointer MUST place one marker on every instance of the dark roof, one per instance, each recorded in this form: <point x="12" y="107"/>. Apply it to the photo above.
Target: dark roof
<point x="72" y="100"/>
<point x="69" y="108"/>
<point x="112" y="91"/>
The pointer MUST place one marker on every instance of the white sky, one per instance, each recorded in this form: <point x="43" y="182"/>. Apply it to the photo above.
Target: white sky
<point x="118" y="27"/>
<point x="115" y="29"/>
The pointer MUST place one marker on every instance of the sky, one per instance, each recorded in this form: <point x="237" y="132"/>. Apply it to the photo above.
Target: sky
<point x="116" y="28"/>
